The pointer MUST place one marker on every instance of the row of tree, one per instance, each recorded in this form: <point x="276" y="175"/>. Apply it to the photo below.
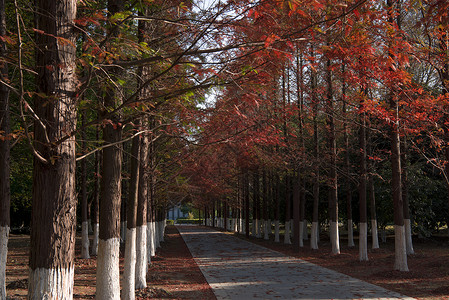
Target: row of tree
<point x="228" y="101"/>
<point x="354" y="103"/>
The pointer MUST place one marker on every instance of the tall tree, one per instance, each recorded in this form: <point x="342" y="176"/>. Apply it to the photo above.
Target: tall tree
<point x="142" y="206"/>
<point x="129" y="273"/>
<point x="333" y="197"/>
<point x="108" y="271"/>
<point x="4" y="154"/>
<point x="84" y="204"/>
<point x="54" y="202"/>
<point x="363" y="235"/>
<point x="396" y="183"/>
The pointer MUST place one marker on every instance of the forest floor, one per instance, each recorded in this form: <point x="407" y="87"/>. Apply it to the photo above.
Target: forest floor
<point x="174" y="274"/>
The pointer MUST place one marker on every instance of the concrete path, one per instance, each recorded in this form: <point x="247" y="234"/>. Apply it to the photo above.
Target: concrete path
<point x="237" y="269"/>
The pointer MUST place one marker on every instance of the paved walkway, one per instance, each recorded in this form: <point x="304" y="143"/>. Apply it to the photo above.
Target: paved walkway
<point x="237" y="269"/>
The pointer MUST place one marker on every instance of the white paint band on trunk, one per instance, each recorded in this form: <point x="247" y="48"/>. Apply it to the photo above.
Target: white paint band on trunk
<point x="400" y="252"/>
<point x="85" y="240"/>
<point x="141" y="257"/>
<point x="149" y="243"/>
<point x="335" y="240"/>
<point x="51" y="283"/>
<point x="4" y="236"/>
<point x="129" y="272"/>
<point x="95" y="239"/>
<point x="108" y="270"/>
<point x="363" y="242"/>
<point x="408" y="237"/>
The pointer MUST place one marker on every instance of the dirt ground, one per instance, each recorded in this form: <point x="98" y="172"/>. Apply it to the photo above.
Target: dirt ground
<point x="174" y="275"/>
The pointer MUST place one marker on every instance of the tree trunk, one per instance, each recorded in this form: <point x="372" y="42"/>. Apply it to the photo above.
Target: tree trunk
<point x="84" y="215"/>
<point x="396" y="183"/>
<point x="316" y="153"/>
<point x="108" y="286"/>
<point x="96" y="201"/>
<point x="265" y="205"/>
<point x="52" y="247"/>
<point x="277" y="207"/>
<point x="333" y="199"/>
<point x="372" y="198"/>
<point x="247" y="204"/>
<point x="142" y="206"/>
<point x="255" y="202"/>
<point x="288" y="210"/>
<point x="129" y="273"/>
<point x="405" y="200"/>
<point x="151" y="205"/>
<point x="5" y="130"/>
<point x="347" y="164"/>
<point x="363" y="228"/>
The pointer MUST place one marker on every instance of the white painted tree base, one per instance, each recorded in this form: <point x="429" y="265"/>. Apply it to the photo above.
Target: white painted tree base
<point x="314" y="236"/>
<point x="141" y="257"/>
<point x="95" y="239"/>
<point x="4" y="236"/>
<point x="375" y="236"/>
<point x="408" y="237"/>
<point x="363" y="242"/>
<point x="161" y="232"/>
<point x="129" y="272"/>
<point x="148" y="243"/>
<point x="85" y="240"/>
<point x="108" y="270"/>
<point x="276" y="231"/>
<point x="151" y="241"/>
<point x="335" y="241"/>
<point x="51" y="284"/>
<point x="350" y="233"/>
<point x="400" y="252"/>
<point x="287" y="240"/>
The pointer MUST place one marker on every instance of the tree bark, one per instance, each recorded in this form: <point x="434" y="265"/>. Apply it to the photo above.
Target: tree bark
<point x="333" y="199"/>
<point x="96" y="201"/>
<point x="5" y="130"/>
<point x="52" y="247"/>
<point x="396" y="183"/>
<point x="316" y="153"/>
<point x="405" y="200"/>
<point x="347" y="163"/>
<point x="265" y="205"/>
<point x="84" y="215"/>
<point x="363" y="228"/>
<point x="277" y="207"/>
<point x="142" y="206"/>
<point x="288" y="210"/>
<point x="372" y="197"/>
<point x="107" y="285"/>
<point x="131" y="211"/>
